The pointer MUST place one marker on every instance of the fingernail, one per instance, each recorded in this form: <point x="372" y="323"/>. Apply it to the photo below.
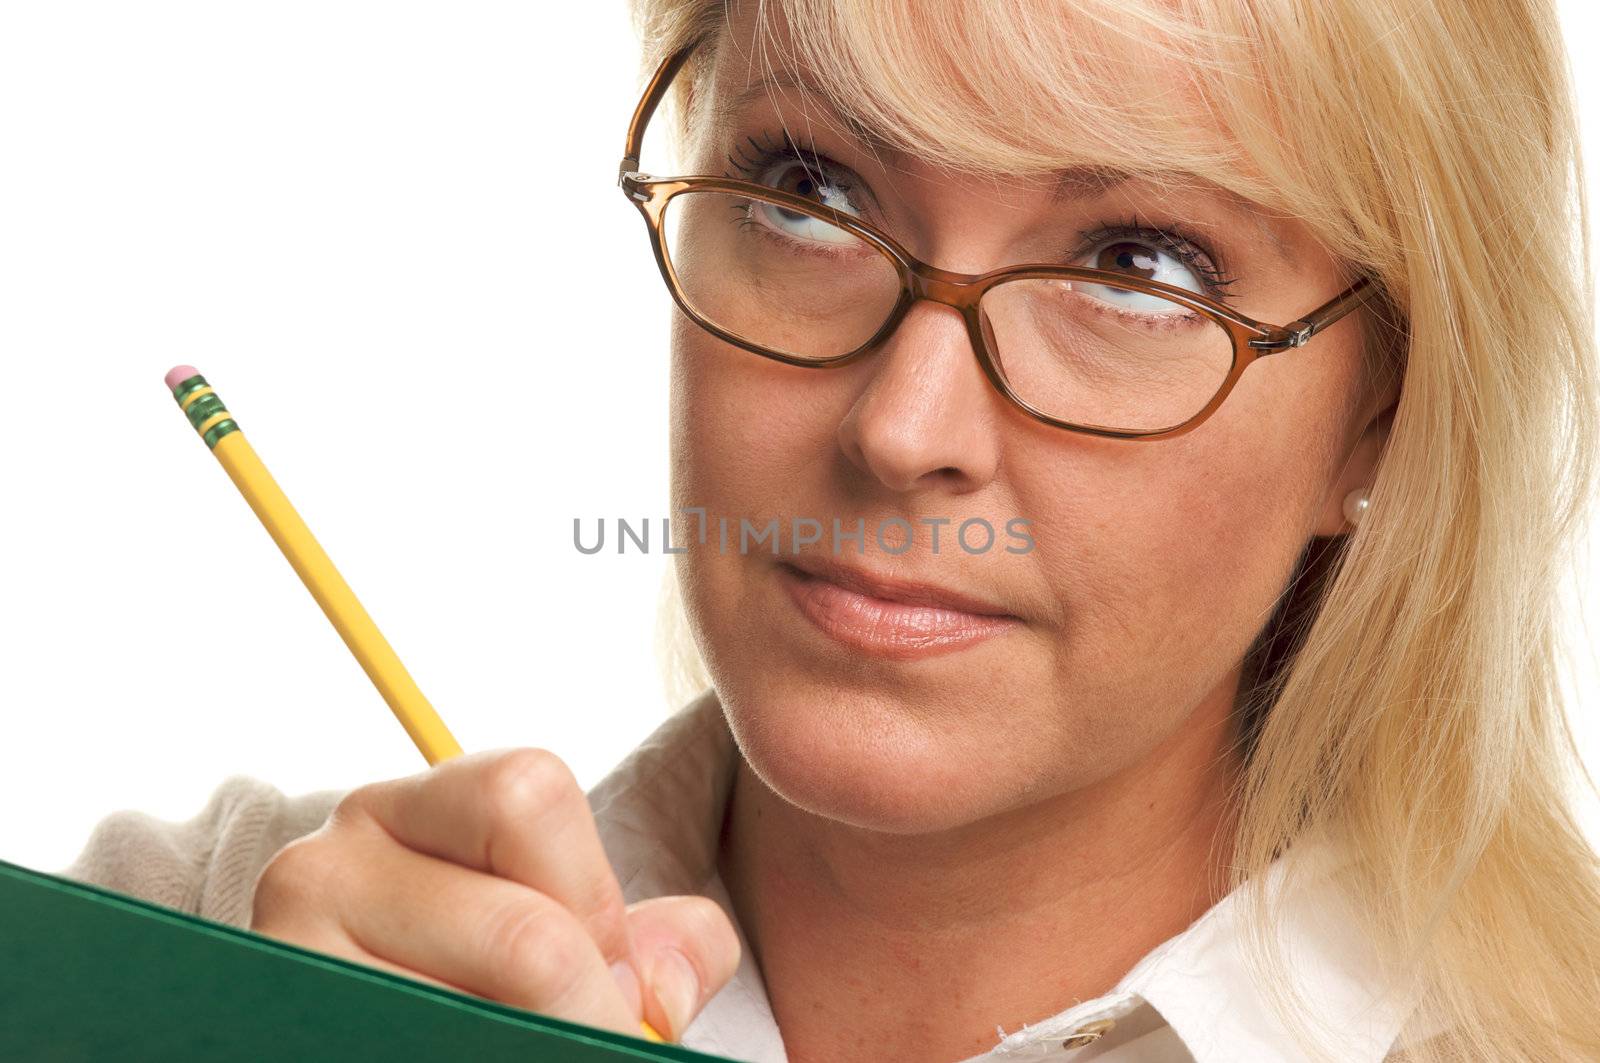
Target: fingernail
<point x="673" y="980"/>
<point x="628" y="982"/>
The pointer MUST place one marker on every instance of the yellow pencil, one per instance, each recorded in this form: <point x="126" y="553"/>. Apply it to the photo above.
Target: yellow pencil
<point x="221" y="434"/>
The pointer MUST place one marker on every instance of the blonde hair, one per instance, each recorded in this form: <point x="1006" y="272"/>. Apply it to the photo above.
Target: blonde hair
<point x="1406" y="694"/>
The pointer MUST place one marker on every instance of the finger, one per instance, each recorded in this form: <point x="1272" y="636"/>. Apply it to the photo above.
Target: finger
<point x="492" y="937"/>
<point x="518" y="814"/>
<point x="339" y="945"/>
<point x="688" y="949"/>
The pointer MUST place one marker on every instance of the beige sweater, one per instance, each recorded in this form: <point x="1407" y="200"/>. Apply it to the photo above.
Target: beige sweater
<point x="207" y="865"/>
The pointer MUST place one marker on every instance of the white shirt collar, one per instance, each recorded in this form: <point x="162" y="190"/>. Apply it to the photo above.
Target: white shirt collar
<point x="660" y="814"/>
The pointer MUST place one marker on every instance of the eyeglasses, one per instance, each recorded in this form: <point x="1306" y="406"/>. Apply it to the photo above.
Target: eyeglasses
<point x="1085" y="349"/>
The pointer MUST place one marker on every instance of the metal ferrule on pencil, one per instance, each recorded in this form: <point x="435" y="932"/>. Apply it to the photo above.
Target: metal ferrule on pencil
<point x="204" y="409"/>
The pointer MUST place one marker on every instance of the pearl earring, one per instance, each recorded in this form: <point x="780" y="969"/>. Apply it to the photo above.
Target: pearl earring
<point x="1356" y="504"/>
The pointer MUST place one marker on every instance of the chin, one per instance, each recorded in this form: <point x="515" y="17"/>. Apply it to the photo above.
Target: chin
<point x="867" y="759"/>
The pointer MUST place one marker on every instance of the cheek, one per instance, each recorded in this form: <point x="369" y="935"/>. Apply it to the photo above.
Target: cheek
<point x="742" y="426"/>
<point x="742" y="439"/>
<point x="1169" y="557"/>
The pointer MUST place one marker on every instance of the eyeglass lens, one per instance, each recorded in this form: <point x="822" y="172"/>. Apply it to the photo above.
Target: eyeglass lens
<point x="1083" y="352"/>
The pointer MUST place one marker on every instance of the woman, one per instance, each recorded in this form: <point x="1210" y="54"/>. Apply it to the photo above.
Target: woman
<point x="1246" y="744"/>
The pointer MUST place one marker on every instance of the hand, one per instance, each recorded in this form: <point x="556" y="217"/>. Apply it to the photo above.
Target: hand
<point x="485" y="874"/>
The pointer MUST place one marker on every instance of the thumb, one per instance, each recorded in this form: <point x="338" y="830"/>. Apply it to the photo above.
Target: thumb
<point x="687" y="950"/>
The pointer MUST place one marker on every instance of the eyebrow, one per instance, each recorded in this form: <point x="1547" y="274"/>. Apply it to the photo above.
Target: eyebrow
<point x="1073" y="182"/>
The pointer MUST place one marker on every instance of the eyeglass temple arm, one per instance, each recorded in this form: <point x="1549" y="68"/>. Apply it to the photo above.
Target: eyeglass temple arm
<point x="653" y="95"/>
<point x="1296" y="333"/>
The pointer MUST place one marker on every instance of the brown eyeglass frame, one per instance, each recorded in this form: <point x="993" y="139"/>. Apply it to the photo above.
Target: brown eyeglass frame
<point x="1252" y="339"/>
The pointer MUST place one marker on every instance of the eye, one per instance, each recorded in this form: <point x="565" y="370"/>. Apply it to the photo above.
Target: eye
<point x="802" y="179"/>
<point x="801" y="171"/>
<point x="1150" y="254"/>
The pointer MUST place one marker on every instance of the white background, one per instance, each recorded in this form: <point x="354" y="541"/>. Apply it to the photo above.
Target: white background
<point x="365" y="223"/>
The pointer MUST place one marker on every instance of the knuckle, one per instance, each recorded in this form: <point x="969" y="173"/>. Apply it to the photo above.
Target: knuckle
<point x="292" y="880"/>
<point x="537" y="948"/>
<point x="523" y="783"/>
<point x="603" y="915"/>
<point x="355" y="807"/>
<point x="606" y="906"/>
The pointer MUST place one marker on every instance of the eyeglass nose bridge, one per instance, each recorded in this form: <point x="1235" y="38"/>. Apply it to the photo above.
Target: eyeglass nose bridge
<point x="942" y="286"/>
<point x="960" y="292"/>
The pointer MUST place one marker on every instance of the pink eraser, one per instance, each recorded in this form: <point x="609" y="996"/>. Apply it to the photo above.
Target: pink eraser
<point x="179" y="373"/>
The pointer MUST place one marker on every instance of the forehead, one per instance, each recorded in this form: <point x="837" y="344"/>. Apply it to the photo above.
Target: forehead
<point x="1028" y="88"/>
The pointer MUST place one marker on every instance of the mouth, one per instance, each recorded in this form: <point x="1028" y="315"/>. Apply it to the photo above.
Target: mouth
<point x="894" y="619"/>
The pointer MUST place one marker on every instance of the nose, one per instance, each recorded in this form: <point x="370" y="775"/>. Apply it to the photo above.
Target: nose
<point x="927" y="417"/>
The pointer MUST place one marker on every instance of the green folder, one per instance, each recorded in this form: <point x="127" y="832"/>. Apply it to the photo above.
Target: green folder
<point x="90" y="974"/>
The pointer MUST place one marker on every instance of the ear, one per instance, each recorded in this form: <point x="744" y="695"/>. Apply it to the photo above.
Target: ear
<point x="1360" y="467"/>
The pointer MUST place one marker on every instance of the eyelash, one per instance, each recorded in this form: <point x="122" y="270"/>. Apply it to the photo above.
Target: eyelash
<point x="1190" y="248"/>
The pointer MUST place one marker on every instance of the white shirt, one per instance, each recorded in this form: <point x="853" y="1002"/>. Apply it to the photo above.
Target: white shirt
<point x="1189" y="1000"/>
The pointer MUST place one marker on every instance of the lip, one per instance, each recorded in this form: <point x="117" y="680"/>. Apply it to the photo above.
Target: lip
<point x="897" y="619"/>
